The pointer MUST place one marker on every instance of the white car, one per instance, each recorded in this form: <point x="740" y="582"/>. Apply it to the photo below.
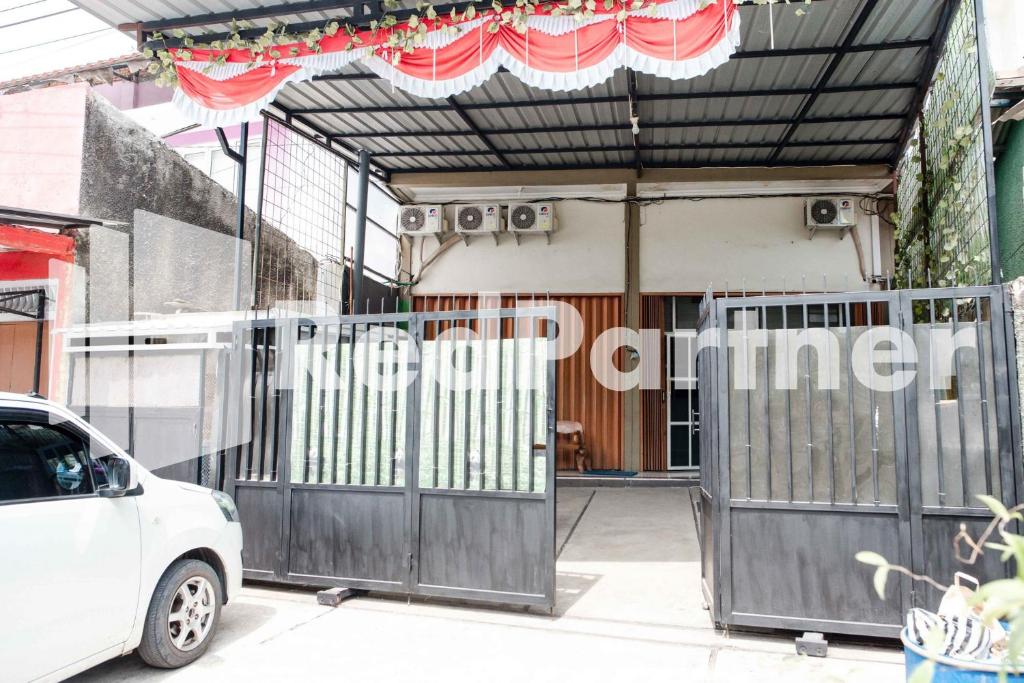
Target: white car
<point x="99" y="557"/>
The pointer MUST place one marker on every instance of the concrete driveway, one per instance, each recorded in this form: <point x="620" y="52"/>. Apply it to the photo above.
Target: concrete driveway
<point x="628" y="609"/>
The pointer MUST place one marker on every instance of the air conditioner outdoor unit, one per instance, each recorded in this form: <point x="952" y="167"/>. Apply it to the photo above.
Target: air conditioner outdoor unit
<point x="421" y="219"/>
<point x="478" y="219"/>
<point x="536" y="218"/>
<point x="831" y="213"/>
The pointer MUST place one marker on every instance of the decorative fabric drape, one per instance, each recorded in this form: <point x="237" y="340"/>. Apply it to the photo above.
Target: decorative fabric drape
<point x="678" y="39"/>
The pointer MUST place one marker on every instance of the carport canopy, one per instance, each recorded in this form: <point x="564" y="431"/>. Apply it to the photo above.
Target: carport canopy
<point x="816" y="83"/>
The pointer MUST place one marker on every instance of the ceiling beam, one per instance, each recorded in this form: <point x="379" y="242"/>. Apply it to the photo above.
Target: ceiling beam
<point x="634" y="110"/>
<point x="938" y="44"/>
<point x="870" y="161"/>
<point x="605" y="99"/>
<point x="605" y="149"/>
<point x="647" y="125"/>
<point x="356" y="8"/>
<point x="845" y="48"/>
<point x="361" y="11"/>
<point x="464" y="117"/>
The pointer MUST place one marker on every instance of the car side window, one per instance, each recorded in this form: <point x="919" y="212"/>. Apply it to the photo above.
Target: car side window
<point x="42" y="461"/>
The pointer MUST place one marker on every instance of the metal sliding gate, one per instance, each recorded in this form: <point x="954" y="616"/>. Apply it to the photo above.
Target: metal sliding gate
<point x="409" y="453"/>
<point x="802" y="474"/>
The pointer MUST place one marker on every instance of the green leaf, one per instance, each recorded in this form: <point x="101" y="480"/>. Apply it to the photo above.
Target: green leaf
<point x="872" y="558"/>
<point x="997" y="508"/>
<point x="881" y="575"/>
<point x="924" y="673"/>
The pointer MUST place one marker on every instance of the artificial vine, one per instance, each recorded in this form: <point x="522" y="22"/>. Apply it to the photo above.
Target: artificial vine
<point x="402" y="36"/>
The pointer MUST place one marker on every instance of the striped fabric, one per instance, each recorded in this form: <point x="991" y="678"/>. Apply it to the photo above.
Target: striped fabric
<point x="963" y="637"/>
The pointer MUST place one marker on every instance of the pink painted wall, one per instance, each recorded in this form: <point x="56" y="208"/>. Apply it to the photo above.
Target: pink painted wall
<point x="41" y="137"/>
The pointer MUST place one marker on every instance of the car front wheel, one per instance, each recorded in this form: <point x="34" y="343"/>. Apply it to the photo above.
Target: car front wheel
<point x="183" y="615"/>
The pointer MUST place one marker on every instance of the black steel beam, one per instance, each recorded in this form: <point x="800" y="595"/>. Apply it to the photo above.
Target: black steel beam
<point x="938" y="44"/>
<point x="464" y="117"/>
<point x="647" y="125"/>
<point x="362" y="14"/>
<point x="985" y="97"/>
<point x="634" y="148"/>
<point x="605" y="99"/>
<point x="634" y="110"/>
<point x="845" y="48"/>
<point x="867" y="161"/>
<point x="356" y="8"/>
<point x="353" y="154"/>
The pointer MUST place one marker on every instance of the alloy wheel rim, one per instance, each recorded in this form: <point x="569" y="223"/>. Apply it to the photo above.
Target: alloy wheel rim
<point x="192" y="612"/>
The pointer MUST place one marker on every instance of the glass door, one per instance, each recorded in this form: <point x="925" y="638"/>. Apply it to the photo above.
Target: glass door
<point x="682" y="397"/>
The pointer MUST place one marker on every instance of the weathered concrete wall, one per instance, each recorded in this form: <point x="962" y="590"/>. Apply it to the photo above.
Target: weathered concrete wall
<point x="182" y="226"/>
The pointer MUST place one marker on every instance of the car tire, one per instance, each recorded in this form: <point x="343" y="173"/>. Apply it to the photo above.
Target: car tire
<point x="183" y="615"/>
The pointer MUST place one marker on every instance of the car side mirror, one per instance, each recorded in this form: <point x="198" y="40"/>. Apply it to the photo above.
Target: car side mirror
<point x="119" y="478"/>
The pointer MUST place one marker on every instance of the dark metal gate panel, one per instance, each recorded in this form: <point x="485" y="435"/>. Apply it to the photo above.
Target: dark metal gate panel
<point x="402" y="483"/>
<point x="803" y="479"/>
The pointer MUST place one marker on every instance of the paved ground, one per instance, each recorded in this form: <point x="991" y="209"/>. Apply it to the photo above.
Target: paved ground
<point x="628" y="609"/>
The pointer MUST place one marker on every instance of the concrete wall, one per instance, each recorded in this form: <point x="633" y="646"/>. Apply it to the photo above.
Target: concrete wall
<point x="41" y="139"/>
<point x="1010" y="197"/>
<point x="67" y="149"/>
<point x="585" y="256"/>
<point x="685" y="246"/>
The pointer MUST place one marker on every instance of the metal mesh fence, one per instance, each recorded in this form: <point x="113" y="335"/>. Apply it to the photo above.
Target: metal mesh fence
<point x="943" y="236"/>
<point x="303" y="215"/>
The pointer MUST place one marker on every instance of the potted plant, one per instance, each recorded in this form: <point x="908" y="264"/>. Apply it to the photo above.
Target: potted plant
<point x="999" y="604"/>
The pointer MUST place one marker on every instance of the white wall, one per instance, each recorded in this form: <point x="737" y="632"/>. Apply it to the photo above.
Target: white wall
<point x="586" y="255"/>
<point x="686" y="245"/>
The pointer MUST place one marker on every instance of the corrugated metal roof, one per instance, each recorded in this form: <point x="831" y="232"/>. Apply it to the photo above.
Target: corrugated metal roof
<point x="737" y="114"/>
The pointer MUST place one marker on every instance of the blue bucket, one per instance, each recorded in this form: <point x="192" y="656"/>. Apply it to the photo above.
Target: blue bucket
<point x="949" y="670"/>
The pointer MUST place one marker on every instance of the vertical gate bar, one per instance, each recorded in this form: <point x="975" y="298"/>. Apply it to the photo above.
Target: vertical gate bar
<point x="485" y="323"/>
<point x="723" y="539"/>
<point x="1004" y="364"/>
<point x="515" y="399"/>
<point x="828" y="405"/>
<point x="789" y="401"/>
<point x="807" y="395"/>
<point x="906" y="450"/>
<point x="350" y="403"/>
<point x="413" y="406"/>
<point x="307" y="423"/>
<point x="449" y="360"/>
<point x="550" y="487"/>
<point x="965" y="480"/>
<point x="941" y="456"/>
<point x="849" y="399"/>
<point x="1005" y="371"/>
<point x="253" y="358"/>
<point x="436" y="386"/>
<point x="379" y="385"/>
<point x="532" y="398"/>
<point x="287" y="344"/>
<point x="337" y="404"/>
<point x="767" y="402"/>
<point x="499" y="403"/>
<point x="265" y="452"/>
<point x="322" y="411"/>
<point x="395" y="369"/>
<point x="872" y="407"/>
<point x="983" y="384"/>
<point x="746" y="401"/>
<point x="467" y="404"/>
<point x="365" y="408"/>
